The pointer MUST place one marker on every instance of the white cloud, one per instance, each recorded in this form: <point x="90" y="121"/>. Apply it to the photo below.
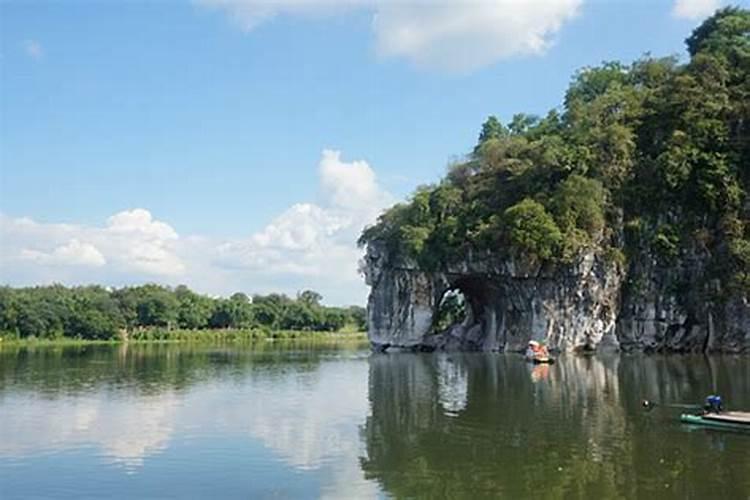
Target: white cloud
<point x="463" y="35"/>
<point x="301" y="227"/>
<point x="316" y="241"/>
<point x="350" y="186"/>
<point x="695" y="9"/>
<point x="143" y="243"/>
<point x="309" y="245"/>
<point x="140" y="221"/>
<point x="72" y="253"/>
<point x="455" y="35"/>
<point x="33" y="49"/>
<point x="132" y="244"/>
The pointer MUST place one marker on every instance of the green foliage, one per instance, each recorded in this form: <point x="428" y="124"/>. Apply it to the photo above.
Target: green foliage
<point x="310" y="298"/>
<point x="236" y="312"/>
<point x="578" y="204"/>
<point x="667" y="243"/>
<point x="723" y="33"/>
<point x="452" y="310"/>
<point x="531" y="231"/>
<point x="141" y="312"/>
<point x="193" y="310"/>
<point x="156" y="306"/>
<point x="632" y="143"/>
<point x="616" y="257"/>
<point x="739" y="251"/>
<point x="491" y="129"/>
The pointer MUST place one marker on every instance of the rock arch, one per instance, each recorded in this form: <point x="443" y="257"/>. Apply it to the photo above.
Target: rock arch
<point x="571" y="308"/>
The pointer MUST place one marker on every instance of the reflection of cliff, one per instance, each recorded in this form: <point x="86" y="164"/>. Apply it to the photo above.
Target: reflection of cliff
<point x="577" y="432"/>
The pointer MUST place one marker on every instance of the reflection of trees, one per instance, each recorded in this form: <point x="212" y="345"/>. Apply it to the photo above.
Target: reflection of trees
<point x="579" y="432"/>
<point x="132" y="403"/>
<point x="148" y="368"/>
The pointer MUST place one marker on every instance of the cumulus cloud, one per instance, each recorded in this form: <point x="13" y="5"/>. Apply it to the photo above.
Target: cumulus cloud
<point x="695" y="9"/>
<point x="350" y="185"/>
<point x="132" y="244"/>
<point x="145" y="244"/>
<point x="33" y="49"/>
<point x="312" y="240"/>
<point x="466" y="34"/>
<point x="308" y="245"/>
<point x="455" y="35"/>
<point x="72" y="253"/>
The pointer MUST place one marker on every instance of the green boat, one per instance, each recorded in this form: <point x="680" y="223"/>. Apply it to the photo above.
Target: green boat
<point x="737" y="420"/>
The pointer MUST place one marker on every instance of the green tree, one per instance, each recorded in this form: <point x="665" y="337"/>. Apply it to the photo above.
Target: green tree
<point x="531" y="231"/>
<point x="156" y="306"/>
<point x="492" y="128"/>
<point x="726" y="33"/>
<point x="236" y="312"/>
<point x="193" y="310"/>
<point x="310" y="298"/>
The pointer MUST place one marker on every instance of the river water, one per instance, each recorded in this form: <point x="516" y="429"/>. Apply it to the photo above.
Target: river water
<point x="308" y="421"/>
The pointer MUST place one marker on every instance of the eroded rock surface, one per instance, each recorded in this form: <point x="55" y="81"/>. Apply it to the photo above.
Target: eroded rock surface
<point x="592" y="304"/>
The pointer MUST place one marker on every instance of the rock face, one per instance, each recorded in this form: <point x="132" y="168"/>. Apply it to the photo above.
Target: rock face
<point x="672" y="309"/>
<point x="591" y="304"/>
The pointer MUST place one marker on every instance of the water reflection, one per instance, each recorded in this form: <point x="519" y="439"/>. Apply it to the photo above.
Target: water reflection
<point x="124" y="431"/>
<point x="285" y="419"/>
<point x="473" y="425"/>
<point x="453" y="385"/>
<point x="301" y="421"/>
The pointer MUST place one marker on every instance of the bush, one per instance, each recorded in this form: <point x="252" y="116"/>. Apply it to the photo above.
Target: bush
<point x="531" y="231"/>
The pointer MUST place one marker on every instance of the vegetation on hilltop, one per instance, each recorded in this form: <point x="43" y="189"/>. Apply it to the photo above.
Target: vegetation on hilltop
<point x="653" y="155"/>
<point x="93" y="312"/>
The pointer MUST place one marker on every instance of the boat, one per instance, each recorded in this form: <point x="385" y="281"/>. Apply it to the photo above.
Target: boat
<point x="537" y="353"/>
<point x="724" y="420"/>
<point x="540" y="359"/>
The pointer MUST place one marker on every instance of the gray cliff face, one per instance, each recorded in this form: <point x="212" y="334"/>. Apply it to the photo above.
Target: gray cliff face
<point x="508" y="305"/>
<point x="589" y="305"/>
<point x="673" y="308"/>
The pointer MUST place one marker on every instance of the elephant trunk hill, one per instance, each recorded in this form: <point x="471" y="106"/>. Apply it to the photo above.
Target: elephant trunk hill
<point x="619" y="221"/>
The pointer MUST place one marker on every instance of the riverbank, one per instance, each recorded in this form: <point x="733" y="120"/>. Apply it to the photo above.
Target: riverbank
<point x="191" y="336"/>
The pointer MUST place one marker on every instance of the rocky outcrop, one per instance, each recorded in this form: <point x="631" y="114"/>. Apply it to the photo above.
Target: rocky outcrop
<point x="507" y="304"/>
<point x="679" y="308"/>
<point x="591" y="304"/>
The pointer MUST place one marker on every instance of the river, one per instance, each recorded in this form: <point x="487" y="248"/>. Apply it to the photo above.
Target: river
<point x="281" y="420"/>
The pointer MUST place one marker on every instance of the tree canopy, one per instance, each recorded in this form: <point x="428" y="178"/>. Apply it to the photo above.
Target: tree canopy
<point x="93" y="312"/>
<point x="657" y="144"/>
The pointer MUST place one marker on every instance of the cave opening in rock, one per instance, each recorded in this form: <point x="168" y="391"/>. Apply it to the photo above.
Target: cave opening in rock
<point x="463" y="303"/>
<point x="451" y="311"/>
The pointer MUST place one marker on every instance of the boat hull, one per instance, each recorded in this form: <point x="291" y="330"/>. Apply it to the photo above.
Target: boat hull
<point x="710" y="422"/>
<point x="540" y="360"/>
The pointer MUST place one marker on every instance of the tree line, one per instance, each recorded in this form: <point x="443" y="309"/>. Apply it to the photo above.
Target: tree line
<point x="95" y="312"/>
<point x="649" y="157"/>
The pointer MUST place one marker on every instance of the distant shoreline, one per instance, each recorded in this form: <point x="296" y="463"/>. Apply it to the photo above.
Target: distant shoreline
<point x="154" y="336"/>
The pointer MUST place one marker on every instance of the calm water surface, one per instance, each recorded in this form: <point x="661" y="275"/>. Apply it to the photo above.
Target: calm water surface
<point x="297" y="421"/>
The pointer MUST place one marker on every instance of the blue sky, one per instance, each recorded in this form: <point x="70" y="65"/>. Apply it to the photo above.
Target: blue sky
<point x="183" y="142"/>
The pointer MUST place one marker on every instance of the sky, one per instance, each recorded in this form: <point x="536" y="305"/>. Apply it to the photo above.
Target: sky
<point x="242" y="145"/>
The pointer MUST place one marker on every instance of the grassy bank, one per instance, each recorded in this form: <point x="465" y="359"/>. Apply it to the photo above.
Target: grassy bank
<point x="192" y="336"/>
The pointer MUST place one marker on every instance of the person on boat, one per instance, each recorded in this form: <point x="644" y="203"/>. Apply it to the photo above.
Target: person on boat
<point x="536" y="350"/>
<point x="713" y="405"/>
